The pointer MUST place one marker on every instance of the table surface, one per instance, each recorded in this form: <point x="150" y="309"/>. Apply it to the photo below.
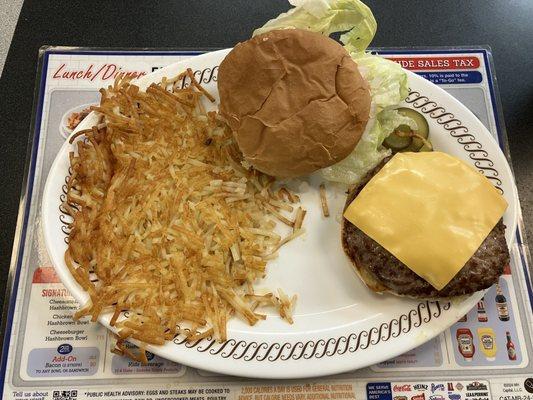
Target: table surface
<point x="505" y="26"/>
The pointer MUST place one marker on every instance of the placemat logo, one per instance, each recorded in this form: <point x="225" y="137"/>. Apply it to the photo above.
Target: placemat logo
<point x="402" y="388"/>
<point x="437" y="386"/>
<point x="476" y="386"/>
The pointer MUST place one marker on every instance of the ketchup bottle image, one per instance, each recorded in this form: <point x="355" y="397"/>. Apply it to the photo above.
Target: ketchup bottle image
<point x="465" y="342"/>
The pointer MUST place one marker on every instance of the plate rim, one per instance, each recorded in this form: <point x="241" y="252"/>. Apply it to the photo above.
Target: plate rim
<point x="181" y="355"/>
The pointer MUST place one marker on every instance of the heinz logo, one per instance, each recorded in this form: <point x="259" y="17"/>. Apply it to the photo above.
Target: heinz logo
<point x="402" y="388"/>
<point x="437" y="386"/>
<point x="420" y="386"/>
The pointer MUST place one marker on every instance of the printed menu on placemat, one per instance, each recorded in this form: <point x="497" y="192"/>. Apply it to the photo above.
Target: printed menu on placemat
<point x="486" y="354"/>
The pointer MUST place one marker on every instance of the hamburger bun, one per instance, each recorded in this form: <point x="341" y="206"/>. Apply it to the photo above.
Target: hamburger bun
<point x="295" y="101"/>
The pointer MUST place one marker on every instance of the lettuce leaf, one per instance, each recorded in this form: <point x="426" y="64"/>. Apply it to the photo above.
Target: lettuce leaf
<point x="328" y="16"/>
<point x="387" y="80"/>
<point x="369" y="151"/>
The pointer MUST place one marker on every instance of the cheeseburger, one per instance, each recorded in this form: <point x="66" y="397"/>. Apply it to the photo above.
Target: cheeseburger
<point x="425" y="225"/>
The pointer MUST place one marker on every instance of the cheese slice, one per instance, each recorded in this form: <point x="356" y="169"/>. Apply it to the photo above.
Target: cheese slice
<point x="430" y="210"/>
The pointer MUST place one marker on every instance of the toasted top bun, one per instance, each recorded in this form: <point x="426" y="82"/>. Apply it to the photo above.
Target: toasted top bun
<point x="295" y="101"/>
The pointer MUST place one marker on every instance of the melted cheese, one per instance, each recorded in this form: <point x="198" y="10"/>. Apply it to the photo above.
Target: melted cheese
<point x="430" y="210"/>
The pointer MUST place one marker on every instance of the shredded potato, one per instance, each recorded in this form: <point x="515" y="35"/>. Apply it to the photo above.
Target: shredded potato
<point x="169" y="231"/>
<point x="324" y="200"/>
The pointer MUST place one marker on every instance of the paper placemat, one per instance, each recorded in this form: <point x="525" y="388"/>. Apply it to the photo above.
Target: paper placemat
<point x="47" y="355"/>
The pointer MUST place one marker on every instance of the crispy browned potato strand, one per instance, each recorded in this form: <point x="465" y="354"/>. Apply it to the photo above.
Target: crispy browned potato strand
<point x="169" y="231"/>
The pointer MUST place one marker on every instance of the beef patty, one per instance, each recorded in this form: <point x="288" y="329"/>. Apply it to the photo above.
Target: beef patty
<point x="384" y="272"/>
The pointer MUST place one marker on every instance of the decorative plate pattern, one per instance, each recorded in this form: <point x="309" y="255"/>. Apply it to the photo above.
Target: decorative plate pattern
<point x="351" y="343"/>
<point x="460" y="132"/>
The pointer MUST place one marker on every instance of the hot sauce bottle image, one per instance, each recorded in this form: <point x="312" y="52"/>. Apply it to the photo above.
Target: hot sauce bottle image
<point x="511" y="351"/>
<point x="501" y="304"/>
<point x="465" y="341"/>
<point x="487" y="343"/>
<point x="481" y="313"/>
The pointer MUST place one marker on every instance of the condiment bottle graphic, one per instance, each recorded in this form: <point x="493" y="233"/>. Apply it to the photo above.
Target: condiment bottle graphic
<point x="465" y="342"/>
<point x="501" y="304"/>
<point x="511" y="351"/>
<point x="487" y="343"/>
<point x="481" y="313"/>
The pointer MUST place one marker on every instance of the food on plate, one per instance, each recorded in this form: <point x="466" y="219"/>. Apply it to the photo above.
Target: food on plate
<point x="295" y="101"/>
<point x="425" y="225"/>
<point x="176" y="211"/>
<point x="386" y="79"/>
<point x="404" y="138"/>
<point x="169" y="232"/>
<point x="394" y="129"/>
<point x="324" y="200"/>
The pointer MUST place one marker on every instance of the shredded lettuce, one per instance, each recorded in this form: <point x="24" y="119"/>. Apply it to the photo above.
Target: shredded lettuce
<point x="327" y="17"/>
<point x="369" y="151"/>
<point x="387" y="79"/>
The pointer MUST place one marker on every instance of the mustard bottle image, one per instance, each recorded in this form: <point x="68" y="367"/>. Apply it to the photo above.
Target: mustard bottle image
<point x="487" y="343"/>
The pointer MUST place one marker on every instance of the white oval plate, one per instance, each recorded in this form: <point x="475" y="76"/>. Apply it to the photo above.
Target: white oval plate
<point x="339" y="325"/>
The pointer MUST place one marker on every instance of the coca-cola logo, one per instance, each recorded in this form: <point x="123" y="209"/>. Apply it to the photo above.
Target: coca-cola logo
<point x="402" y="388"/>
